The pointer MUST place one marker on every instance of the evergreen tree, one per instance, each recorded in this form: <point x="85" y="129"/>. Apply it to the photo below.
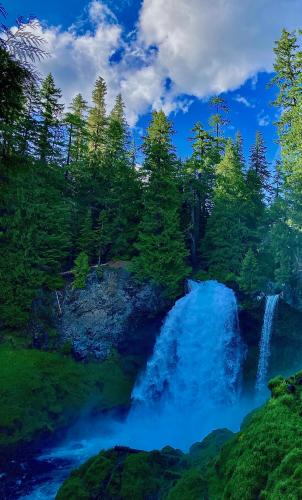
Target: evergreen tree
<point x="13" y="81"/>
<point x="80" y="270"/>
<point x="97" y="119"/>
<point x="123" y="201"/>
<point x="225" y="241"/>
<point x="258" y="163"/>
<point x="249" y="279"/>
<point x="50" y="136"/>
<point x="199" y="181"/>
<point x="287" y="67"/>
<point x="218" y="120"/>
<point x="239" y="147"/>
<point x="29" y="122"/>
<point x="77" y="131"/>
<point x="160" y="244"/>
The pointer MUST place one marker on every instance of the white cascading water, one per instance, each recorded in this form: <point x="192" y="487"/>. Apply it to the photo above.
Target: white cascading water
<point x="197" y="357"/>
<point x="265" y="342"/>
<point x="190" y="385"/>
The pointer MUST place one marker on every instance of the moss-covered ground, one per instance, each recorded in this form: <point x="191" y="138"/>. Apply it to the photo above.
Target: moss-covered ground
<point x="125" y="474"/>
<point x="41" y="392"/>
<point x="264" y="460"/>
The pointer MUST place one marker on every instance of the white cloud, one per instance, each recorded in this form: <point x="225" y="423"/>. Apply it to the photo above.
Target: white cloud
<point x="243" y="100"/>
<point x="263" y="119"/>
<point x="201" y="46"/>
<point x="211" y="46"/>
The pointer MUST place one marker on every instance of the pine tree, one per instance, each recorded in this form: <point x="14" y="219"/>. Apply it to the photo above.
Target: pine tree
<point x="258" y="163"/>
<point x="161" y="247"/>
<point x="219" y="120"/>
<point x="97" y="119"/>
<point x="225" y="241"/>
<point x="287" y="68"/>
<point x="80" y="270"/>
<point x="249" y="278"/>
<point x="29" y="123"/>
<point x="77" y="131"/>
<point x="239" y="147"/>
<point x="13" y="80"/>
<point x="123" y="200"/>
<point x="199" y="182"/>
<point x="50" y="136"/>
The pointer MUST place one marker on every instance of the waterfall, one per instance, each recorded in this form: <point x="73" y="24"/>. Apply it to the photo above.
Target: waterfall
<point x="197" y="358"/>
<point x="190" y="387"/>
<point x="264" y="345"/>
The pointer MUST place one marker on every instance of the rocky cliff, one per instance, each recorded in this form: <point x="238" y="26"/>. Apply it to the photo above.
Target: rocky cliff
<point x="113" y="311"/>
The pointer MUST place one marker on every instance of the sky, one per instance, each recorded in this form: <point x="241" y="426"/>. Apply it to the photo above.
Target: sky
<point x="171" y="55"/>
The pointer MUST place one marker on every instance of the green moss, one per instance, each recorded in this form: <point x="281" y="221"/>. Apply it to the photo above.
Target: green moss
<point x="201" y="453"/>
<point x="139" y="479"/>
<point x="42" y="391"/>
<point x="264" y="460"/>
<point x="126" y="474"/>
<point x="191" y="486"/>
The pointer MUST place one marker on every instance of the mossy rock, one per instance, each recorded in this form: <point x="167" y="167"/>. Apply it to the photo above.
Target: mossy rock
<point x="264" y="459"/>
<point x="125" y="474"/>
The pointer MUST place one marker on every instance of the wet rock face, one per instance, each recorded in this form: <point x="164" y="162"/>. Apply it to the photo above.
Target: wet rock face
<point x="113" y="311"/>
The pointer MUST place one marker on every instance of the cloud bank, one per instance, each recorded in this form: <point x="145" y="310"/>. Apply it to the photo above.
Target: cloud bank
<point x="179" y="50"/>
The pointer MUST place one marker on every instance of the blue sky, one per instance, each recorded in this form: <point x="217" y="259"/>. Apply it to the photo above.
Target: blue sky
<point x="169" y="53"/>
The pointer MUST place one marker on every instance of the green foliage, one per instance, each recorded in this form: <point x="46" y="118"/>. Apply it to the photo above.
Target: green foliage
<point x="34" y="237"/>
<point x="41" y="392"/>
<point x="86" y="238"/>
<point x="191" y="486"/>
<point x="80" y="270"/>
<point x="249" y="276"/>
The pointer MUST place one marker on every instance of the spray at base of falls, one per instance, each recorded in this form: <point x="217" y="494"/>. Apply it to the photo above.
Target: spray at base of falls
<point x="265" y="341"/>
<point x="190" y="386"/>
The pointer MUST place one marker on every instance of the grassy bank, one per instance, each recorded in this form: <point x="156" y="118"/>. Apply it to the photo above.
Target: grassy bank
<point x="41" y="392"/>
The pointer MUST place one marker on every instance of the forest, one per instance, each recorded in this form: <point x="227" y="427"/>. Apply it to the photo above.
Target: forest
<point x="74" y="196"/>
<point x="95" y="228"/>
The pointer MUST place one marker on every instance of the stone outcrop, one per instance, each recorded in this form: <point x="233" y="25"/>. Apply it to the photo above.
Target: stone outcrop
<point x="112" y="311"/>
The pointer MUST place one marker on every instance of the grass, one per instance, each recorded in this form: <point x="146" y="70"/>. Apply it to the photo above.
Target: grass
<point x="41" y="392"/>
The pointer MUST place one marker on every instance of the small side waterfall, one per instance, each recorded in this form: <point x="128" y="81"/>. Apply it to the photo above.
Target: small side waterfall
<point x="265" y="340"/>
<point x="197" y="357"/>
